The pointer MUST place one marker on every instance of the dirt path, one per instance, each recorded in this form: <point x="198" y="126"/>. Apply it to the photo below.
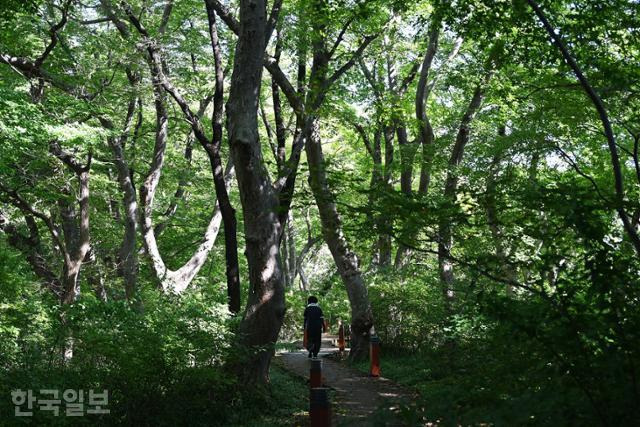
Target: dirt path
<point x="356" y="397"/>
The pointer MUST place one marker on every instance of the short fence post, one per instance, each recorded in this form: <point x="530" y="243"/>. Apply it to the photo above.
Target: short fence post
<point x="341" y="337"/>
<point x="319" y="407"/>
<point x="315" y="373"/>
<point x="374" y="355"/>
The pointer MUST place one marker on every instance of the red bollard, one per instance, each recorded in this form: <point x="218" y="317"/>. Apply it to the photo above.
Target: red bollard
<point x="374" y="355"/>
<point x="341" y="337"/>
<point x="315" y="373"/>
<point x="319" y="407"/>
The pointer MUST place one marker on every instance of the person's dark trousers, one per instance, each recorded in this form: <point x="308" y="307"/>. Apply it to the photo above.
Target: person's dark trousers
<point x="315" y="338"/>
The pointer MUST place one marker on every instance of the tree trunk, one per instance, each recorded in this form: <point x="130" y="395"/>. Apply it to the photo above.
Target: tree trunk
<point x="127" y="254"/>
<point x="344" y="258"/>
<point x="506" y="271"/>
<point x="178" y="280"/>
<point x="346" y="261"/>
<point x="213" y="151"/>
<point x="171" y="281"/>
<point x="289" y="252"/>
<point x="286" y="267"/>
<point x="426" y="138"/>
<point x="265" y="304"/>
<point x="445" y="238"/>
<point x="75" y="226"/>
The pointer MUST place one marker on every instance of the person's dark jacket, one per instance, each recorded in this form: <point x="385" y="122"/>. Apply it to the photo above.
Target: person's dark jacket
<point x="313" y="319"/>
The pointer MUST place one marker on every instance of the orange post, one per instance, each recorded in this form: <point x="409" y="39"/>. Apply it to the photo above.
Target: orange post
<point x="374" y="355"/>
<point x="341" y="337"/>
<point x="315" y="373"/>
<point x="319" y="407"/>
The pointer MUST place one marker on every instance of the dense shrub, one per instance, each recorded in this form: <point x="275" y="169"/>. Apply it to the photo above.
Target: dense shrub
<point x="166" y="362"/>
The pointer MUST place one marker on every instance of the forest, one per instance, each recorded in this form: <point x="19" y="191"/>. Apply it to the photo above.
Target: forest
<point x="456" y="179"/>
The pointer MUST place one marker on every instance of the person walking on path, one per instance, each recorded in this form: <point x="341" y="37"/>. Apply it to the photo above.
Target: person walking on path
<point x="314" y="325"/>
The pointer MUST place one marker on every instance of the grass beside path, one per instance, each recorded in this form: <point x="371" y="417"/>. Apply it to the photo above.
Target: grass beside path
<point x="474" y="388"/>
<point x="285" y="403"/>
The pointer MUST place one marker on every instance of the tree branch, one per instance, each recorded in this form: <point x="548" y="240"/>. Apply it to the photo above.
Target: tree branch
<point x="340" y="37"/>
<point x="604" y="118"/>
<point x="19" y="202"/>
<point x="53" y="33"/>
<point x="273" y="20"/>
<point x="354" y="57"/>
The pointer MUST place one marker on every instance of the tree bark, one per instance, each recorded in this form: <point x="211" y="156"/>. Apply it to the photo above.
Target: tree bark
<point x="422" y="94"/>
<point x="171" y="281"/>
<point x="75" y="225"/>
<point x="213" y="150"/>
<point x="127" y="254"/>
<point x="346" y="261"/>
<point x="266" y="301"/>
<point x="445" y="238"/>
<point x="344" y="258"/>
<point x="265" y="304"/>
<point x="426" y="138"/>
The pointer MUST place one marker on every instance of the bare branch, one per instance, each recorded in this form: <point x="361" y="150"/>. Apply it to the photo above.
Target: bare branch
<point x="370" y="78"/>
<point x="284" y="84"/>
<point x="69" y="159"/>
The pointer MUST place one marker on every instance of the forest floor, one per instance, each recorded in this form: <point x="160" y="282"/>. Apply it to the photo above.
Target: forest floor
<point x="356" y="399"/>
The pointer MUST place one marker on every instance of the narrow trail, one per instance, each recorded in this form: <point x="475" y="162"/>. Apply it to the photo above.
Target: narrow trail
<point x="356" y="397"/>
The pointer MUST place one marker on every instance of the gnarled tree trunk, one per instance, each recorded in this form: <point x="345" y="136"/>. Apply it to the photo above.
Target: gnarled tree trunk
<point x="260" y="204"/>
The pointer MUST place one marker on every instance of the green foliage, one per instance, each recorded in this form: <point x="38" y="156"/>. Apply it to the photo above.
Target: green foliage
<point x="505" y="376"/>
<point x="164" y="363"/>
<point x="25" y="312"/>
<point x="542" y="324"/>
<point x="284" y="403"/>
<point x="407" y="310"/>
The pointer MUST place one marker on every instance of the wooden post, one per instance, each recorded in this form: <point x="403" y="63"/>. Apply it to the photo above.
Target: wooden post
<point x="319" y="407"/>
<point x="341" y="336"/>
<point x="315" y="373"/>
<point x="374" y="355"/>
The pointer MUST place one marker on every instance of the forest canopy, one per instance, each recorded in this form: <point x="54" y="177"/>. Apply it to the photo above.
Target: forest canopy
<point x="458" y="178"/>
